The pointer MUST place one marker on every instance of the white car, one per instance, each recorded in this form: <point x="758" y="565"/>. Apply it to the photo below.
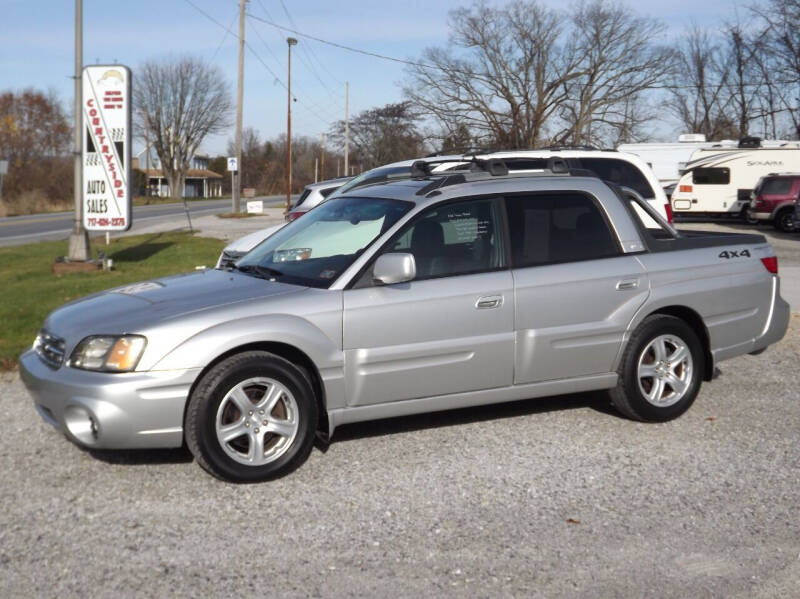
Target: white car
<point x="313" y="194"/>
<point x="626" y="170"/>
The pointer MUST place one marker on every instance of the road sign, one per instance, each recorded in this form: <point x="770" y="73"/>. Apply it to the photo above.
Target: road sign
<point x="233" y="164"/>
<point x="106" y="102"/>
<point x="3" y="167"/>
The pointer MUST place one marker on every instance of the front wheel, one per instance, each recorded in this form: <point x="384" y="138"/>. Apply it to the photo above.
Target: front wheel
<point x="251" y="418"/>
<point x="660" y="371"/>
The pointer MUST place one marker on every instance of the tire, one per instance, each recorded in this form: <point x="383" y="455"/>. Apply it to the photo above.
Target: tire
<point x="649" y="368"/>
<point x="784" y="220"/>
<point x="747" y="218"/>
<point x="251" y="418"/>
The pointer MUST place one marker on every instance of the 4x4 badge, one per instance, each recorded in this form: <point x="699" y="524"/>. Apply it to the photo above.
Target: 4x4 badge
<point x="727" y="254"/>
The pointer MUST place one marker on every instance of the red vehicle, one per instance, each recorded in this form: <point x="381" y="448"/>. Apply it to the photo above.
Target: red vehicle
<point x="774" y="200"/>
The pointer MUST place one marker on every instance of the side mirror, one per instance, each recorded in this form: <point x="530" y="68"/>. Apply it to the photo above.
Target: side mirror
<point x="394" y="268"/>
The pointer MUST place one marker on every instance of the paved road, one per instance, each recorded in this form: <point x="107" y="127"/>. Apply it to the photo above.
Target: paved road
<point x="558" y="497"/>
<point x="17" y="230"/>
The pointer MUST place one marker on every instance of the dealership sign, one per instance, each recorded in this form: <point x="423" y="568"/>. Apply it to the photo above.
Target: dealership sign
<point x="106" y="105"/>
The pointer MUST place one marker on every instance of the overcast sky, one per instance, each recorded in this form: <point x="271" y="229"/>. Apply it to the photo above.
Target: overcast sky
<point x="36" y="46"/>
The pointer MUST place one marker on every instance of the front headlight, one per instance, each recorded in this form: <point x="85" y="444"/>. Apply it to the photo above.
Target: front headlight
<point x="108" y="353"/>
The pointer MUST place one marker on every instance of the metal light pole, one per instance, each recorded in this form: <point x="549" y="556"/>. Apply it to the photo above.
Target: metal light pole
<point x="290" y="41"/>
<point x="78" y="239"/>
<point x="239" y="102"/>
<point x="322" y="161"/>
<point x="346" y="128"/>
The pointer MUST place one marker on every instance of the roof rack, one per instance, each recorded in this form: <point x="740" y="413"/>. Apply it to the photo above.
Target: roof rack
<point x="465" y="150"/>
<point x="487" y="169"/>
<point x="558" y="147"/>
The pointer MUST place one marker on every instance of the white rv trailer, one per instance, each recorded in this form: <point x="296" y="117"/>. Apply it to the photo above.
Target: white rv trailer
<point x="718" y="180"/>
<point x="668" y="159"/>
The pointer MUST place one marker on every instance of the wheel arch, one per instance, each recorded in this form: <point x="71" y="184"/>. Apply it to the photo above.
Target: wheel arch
<point x="695" y="321"/>
<point x="785" y="206"/>
<point x="288" y="352"/>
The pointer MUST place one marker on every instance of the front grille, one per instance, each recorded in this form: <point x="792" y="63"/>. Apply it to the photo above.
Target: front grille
<point x="229" y="257"/>
<point x="50" y="349"/>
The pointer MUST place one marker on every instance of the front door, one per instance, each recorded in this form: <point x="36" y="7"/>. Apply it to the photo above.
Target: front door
<point x="449" y="330"/>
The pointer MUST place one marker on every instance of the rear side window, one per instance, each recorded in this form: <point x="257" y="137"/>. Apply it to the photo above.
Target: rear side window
<point x="553" y="228"/>
<point x="303" y="197"/>
<point x="326" y="192"/>
<point x="776" y="186"/>
<point x="621" y="172"/>
<point x="711" y="176"/>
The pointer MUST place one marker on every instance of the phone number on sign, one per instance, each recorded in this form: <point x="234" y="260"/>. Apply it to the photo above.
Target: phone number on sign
<point x="105" y="222"/>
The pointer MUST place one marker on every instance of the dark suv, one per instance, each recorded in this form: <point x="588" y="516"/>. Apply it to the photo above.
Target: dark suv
<point x="774" y="199"/>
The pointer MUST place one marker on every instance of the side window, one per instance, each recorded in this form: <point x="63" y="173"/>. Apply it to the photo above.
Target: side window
<point x="776" y="186"/>
<point x="711" y="176"/>
<point x="454" y="239"/>
<point x="621" y="172"/>
<point x="303" y="196"/>
<point x="553" y="228"/>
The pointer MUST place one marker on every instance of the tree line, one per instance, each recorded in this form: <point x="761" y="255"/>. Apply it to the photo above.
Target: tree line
<point x="520" y="75"/>
<point x="524" y="75"/>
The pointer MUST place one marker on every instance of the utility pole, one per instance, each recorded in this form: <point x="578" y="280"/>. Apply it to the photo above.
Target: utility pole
<point x="236" y="208"/>
<point x="290" y="41"/>
<point x="147" y="158"/>
<point x="316" y="169"/>
<point x="322" y="162"/>
<point x="78" y="239"/>
<point x="346" y="126"/>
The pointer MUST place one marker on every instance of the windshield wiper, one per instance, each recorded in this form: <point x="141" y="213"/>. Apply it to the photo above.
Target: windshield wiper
<point x="264" y="272"/>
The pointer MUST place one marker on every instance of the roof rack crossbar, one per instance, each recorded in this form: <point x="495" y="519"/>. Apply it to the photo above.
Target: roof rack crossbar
<point x="420" y="169"/>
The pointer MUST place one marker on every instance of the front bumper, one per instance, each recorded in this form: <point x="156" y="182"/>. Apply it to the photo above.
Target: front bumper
<point x="137" y="410"/>
<point x="758" y="215"/>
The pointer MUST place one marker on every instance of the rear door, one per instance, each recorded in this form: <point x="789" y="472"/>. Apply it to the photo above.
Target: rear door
<point x="575" y="291"/>
<point x="452" y="328"/>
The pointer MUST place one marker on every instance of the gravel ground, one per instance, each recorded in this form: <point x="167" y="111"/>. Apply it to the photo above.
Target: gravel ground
<point x="545" y="498"/>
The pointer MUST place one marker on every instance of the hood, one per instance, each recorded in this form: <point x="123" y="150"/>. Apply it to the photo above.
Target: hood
<point x="248" y="242"/>
<point x="131" y="308"/>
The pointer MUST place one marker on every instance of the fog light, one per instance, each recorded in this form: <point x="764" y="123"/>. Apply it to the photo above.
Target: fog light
<point x="81" y="425"/>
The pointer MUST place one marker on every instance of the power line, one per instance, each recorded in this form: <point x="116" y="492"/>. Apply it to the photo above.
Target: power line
<point x="304" y="48"/>
<point x="434" y="67"/>
<point x="257" y="57"/>
<point x="224" y="37"/>
<point x="316" y="106"/>
<point x="343" y="47"/>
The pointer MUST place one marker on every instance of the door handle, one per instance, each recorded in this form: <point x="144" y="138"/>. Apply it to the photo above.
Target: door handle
<point x="490" y="301"/>
<point x="627" y="284"/>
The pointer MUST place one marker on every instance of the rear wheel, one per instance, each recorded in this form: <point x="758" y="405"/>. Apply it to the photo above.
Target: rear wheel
<point x="784" y="220"/>
<point x="251" y="418"/>
<point x="660" y="371"/>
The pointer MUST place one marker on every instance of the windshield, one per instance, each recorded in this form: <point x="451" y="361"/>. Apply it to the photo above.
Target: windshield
<point x="316" y="249"/>
<point x="376" y="175"/>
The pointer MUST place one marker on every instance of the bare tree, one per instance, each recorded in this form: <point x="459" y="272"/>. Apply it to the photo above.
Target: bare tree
<point x="180" y="102"/>
<point x="382" y="135"/>
<point x="782" y="45"/>
<point x="744" y="80"/>
<point x="615" y="63"/>
<point x="697" y="95"/>
<point x="35" y="138"/>
<point x="254" y="156"/>
<point x="502" y="73"/>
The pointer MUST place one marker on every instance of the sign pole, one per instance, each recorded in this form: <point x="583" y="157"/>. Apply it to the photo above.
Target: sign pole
<point x="78" y="239"/>
<point x="3" y="173"/>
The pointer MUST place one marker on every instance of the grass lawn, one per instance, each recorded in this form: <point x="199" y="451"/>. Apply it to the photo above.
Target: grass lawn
<point x="29" y="290"/>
